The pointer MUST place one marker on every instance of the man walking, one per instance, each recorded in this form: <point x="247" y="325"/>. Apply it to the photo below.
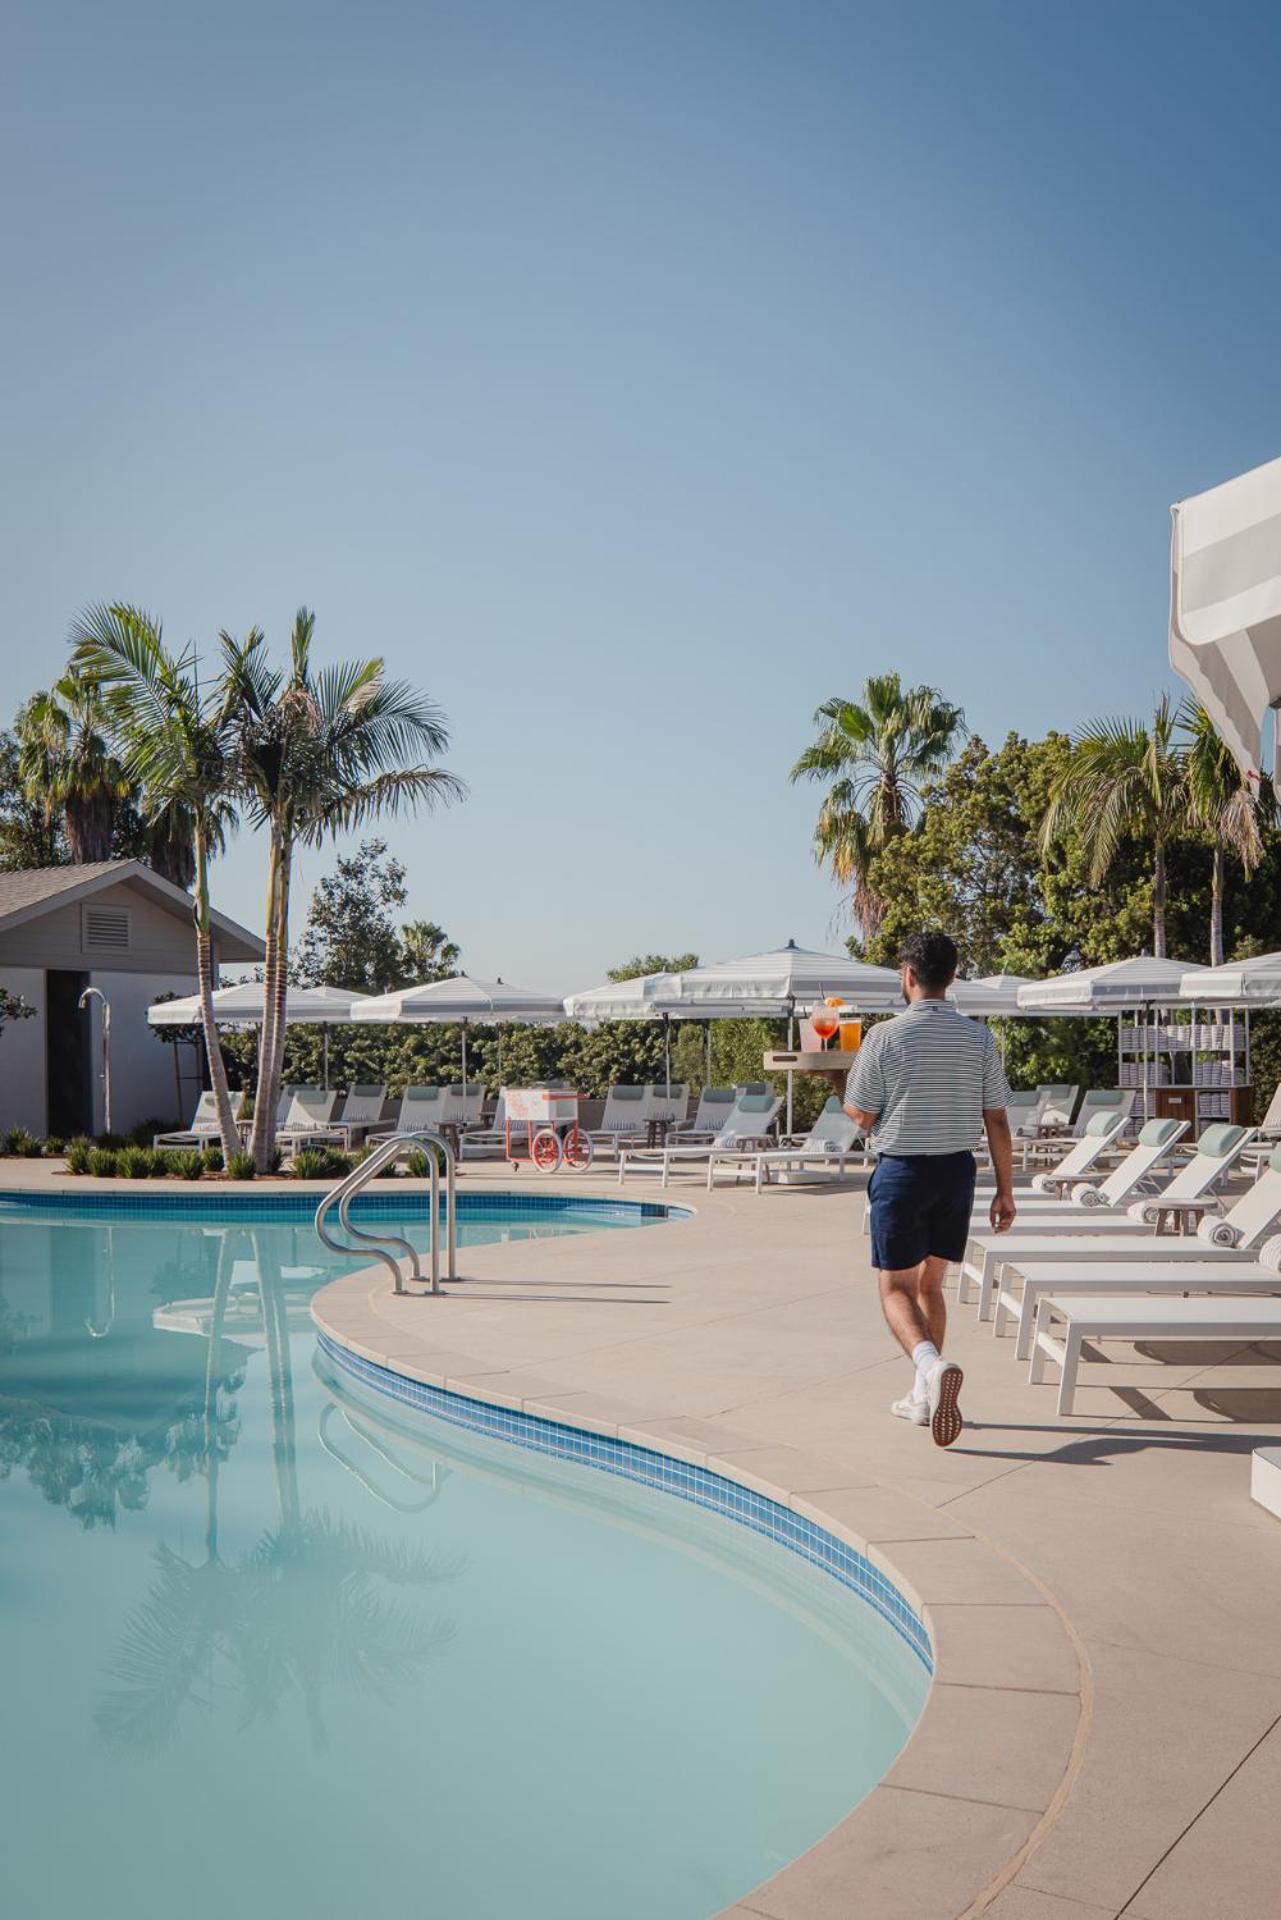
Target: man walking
<point x="922" y="1086"/>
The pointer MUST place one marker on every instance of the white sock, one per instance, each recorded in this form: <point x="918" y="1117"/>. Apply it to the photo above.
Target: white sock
<point x="924" y="1355"/>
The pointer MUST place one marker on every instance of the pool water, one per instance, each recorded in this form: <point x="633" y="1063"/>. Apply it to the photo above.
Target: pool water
<point x="272" y="1644"/>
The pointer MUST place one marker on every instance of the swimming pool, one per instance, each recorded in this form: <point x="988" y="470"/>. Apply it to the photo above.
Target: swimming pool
<point x="273" y="1642"/>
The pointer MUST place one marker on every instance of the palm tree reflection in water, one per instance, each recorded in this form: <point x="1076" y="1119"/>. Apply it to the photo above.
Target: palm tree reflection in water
<point x="307" y="1609"/>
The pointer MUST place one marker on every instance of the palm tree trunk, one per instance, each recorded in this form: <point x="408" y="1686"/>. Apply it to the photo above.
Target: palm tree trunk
<point x="266" y="1097"/>
<point x="1158" y="902"/>
<point x="282" y="977"/>
<point x="1217" y="876"/>
<point x="204" y="977"/>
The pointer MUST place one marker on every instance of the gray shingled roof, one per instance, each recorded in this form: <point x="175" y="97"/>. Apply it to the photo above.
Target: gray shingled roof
<point x="24" y="894"/>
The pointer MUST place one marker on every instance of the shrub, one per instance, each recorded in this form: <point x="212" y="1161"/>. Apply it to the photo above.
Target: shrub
<point x="78" y="1154"/>
<point x="22" y="1143"/>
<point x="102" y="1162"/>
<point x="240" y="1166"/>
<point x="186" y="1163"/>
<point x="112" y="1141"/>
<point x="134" y="1163"/>
<point x="146" y="1130"/>
<point x="211" y="1159"/>
<point x="417" y="1165"/>
<point x="161" y="1161"/>
<point x="55" y="1147"/>
<point x="321" y="1163"/>
<point x="276" y="1160"/>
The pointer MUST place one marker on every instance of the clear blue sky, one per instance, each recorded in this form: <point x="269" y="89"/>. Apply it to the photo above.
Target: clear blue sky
<point x="633" y="377"/>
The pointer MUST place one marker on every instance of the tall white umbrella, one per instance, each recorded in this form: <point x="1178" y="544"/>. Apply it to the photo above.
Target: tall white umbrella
<point x="641" y="998"/>
<point x="993" y="996"/>
<point x="1242" y="983"/>
<point x="1120" y="986"/>
<point x="786" y="980"/>
<point x="241" y="1006"/>
<point x="1225" y="605"/>
<point x="462" y="1001"/>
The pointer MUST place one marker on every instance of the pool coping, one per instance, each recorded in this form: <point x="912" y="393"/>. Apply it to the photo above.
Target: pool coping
<point x="939" y="1837"/>
<point x="1036" y="1717"/>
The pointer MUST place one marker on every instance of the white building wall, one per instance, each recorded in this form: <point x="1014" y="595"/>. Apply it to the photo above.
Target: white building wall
<point x="142" y="1067"/>
<point x="22" y="1059"/>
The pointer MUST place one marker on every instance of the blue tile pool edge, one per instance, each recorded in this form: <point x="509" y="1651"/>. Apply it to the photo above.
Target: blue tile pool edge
<point x="396" y="1203"/>
<point x="651" y="1468"/>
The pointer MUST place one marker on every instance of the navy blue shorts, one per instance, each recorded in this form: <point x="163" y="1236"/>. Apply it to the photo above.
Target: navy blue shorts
<point x="921" y="1205"/>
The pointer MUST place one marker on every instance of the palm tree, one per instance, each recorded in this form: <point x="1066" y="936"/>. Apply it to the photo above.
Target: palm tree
<point x="875" y="754"/>
<point x="175" y="743"/>
<point x="1123" y="781"/>
<point x="1226" y="805"/>
<point x="319" y="753"/>
<point x="427" y="952"/>
<point x="66" y="764"/>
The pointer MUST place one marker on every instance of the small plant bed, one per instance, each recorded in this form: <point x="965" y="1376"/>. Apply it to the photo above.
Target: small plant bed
<point x="134" y="1162"/>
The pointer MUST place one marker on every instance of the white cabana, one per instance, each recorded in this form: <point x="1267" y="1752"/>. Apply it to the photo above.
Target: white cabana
<point x="463" y="1002"/>
<point x="1121" y="986"/>
<point x="1225" y="605"/>
<point x="1243" y="983"/>
<point x="788" y="980"/>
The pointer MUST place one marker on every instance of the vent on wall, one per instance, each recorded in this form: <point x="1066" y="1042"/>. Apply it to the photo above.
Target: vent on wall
<point x="104" y="929"/>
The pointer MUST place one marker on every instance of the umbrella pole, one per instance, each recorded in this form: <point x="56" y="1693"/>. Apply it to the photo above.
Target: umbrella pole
<point x="667" y="1051"/>
<point x="709" y="1053"/>
<point x="325" y="1033"/>
<point x="463" y="1028"/>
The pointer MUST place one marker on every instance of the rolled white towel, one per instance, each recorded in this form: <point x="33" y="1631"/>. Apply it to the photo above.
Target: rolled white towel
<point x="1148" y="1211"/>
<point x="1218" y="1233"/>
<point x="1087" y="1197"/>
<point x="1270" y="1253"/>
<point x="1040" y="1183"/>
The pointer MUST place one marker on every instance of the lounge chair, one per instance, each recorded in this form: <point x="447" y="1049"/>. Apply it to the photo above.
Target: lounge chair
<point x="204" y="1130"/>
<point x="749" y="1124"/>
<point x="715" y="1105"/>
<point x="1065" y="1321"/>
<point x="670" y="1106"/>
<point x="1070" y="1236"/>
<point x="463" y="1106"/>
<point x="1101" y="1131"/>
<point x="820" y="1154"/>
<point x="309" y="1118"/>
<point x="418" y="1107"/>
<point x="360" y="1115"/>
<point x="1058" y="1103"/>
<point x="484" y="1142"/>
<point x="1233" y="1257"/>
<point x="627" y="1110"/>
<point x="1116" y="1101"/>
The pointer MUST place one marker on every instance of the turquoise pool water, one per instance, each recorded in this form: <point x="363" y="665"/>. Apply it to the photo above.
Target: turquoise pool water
<point x="272" y="1644"/>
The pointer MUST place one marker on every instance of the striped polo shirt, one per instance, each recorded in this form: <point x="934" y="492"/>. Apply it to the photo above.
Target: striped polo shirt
<point x="929" y="1075"/>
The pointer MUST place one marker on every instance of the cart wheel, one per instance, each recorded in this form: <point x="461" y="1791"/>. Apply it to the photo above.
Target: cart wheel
<point x="576" y="1153"/>
<point x="544" y="1150"/>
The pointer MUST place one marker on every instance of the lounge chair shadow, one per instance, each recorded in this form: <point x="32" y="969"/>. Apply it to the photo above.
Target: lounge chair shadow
<point x="1097" y="1449"/>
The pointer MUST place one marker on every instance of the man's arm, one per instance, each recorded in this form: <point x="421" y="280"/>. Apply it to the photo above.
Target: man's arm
<point x="996" y="1124"/>
<point x="865" y="1089"/>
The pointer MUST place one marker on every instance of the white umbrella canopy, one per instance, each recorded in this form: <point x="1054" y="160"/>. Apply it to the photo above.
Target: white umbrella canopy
<point x="1114" y="988"/>
<point x="1243" y="983"/>
<point x="488" y="1003"/>
<point x="241" y="1005"/>
<point x="1225" y="604"/>
<point x="648" y="997"/>
<point x="993" y="996"/>
<point x="783" y="981"/>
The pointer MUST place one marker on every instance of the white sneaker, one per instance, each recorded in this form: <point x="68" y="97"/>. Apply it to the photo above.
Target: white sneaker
<point x="917" y="1411"/>
<point x="944" y="1383"/>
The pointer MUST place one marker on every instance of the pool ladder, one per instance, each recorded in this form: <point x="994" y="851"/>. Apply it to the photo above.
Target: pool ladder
<point x="395" y="1147"/>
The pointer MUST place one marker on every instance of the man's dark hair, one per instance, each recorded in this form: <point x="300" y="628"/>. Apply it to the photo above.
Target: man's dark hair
<point x="932" y="958"/>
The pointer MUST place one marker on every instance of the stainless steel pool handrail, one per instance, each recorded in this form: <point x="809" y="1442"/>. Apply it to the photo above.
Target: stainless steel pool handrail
<point x="383" y="1155"/>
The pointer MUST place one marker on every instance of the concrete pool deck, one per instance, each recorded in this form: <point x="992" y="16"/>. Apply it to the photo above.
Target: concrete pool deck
<point x="1104" y="1732"/>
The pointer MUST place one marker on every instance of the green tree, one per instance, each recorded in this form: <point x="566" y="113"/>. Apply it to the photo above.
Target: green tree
<point x="13" y="1007"/>
<point x="427" y="953"/>
<point x="30" y="831"/>
<point x="874" y="755"/>
<point x="1123" y="781"/>
<point x="175" y="745"/>
<point x="318" y="753"/>
<point x="67" y="766"/>
<point x="351" y="938"/>
<point x="642" y="964"/>
<point x="1226" y="805"/>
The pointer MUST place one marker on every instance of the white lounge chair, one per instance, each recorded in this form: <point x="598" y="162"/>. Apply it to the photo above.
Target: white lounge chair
<point x="820" y="1154"/>
<point x="485" y="1142"/>
<point x="671" y="1106"/>
<point x="715" y="1105"/>
<point x="310" y="1116"/>
<point x="1116" y="1101"/>
<point x="627" y="1110"/>
<point x="1065" y="1321"/>
<point x="204" y="1130"/>
<point x="749" y="1125"/>
<point x="463" y="1106"/>
<point x="417" y="1108"/>
<point x="1233" y="1256"/>
<point x="1099" y="1134"/>
<point x="1153" y="1149"/>
<point x="1066" y="1237"/>
<point x="1058" y="1103"/>
<point x="360" y="1115"/>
